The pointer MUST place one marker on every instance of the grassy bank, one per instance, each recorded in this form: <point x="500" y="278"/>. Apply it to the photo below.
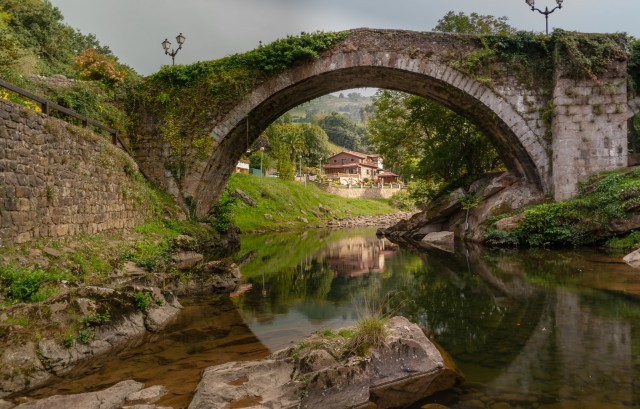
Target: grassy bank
<point x="289" y="203"/>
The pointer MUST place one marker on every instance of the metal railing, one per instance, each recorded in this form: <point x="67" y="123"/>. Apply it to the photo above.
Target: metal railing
<point x="47" y="106"/>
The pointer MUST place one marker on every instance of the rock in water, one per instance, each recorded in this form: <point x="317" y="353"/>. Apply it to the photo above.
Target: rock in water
<point x="313" y="375"/>
<point x="442" y="240"/>
<point x="633" y="259"/>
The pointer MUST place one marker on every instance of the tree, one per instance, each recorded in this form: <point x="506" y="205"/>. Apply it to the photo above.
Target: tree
<point x="473" y="24"/>
<point x="316" y="144"/>
<point x="295" y="142"/>
<point x="417" y="136"/>
<point x="343" y="131"/>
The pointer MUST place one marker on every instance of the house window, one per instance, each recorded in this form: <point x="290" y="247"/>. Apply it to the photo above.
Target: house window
<point x="351" y="159"/>
<point x="335" y="161"/>
<point x="368" y="172"/>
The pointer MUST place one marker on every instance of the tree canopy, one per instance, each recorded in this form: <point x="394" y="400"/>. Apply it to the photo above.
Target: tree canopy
<point x="473" y="24"/>
<point x="343" y="131"/>
<point x="419" y="137"/>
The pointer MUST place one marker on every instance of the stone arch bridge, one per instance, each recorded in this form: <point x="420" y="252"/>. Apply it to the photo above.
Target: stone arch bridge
<point x="586" y="131"/>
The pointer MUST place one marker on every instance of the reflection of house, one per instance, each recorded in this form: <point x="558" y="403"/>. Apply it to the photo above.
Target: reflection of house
<point x="242" y="167"/>
<point x="358" y="256"/>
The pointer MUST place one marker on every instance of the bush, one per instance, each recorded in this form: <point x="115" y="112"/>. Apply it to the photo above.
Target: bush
<point x="402" y="200"/>
<point x="222" y="212"/>
<point x="94" y="65"/>
<point x="29" y="285"/>
<point x="142" y="300"/>
<point x="149" y="254"/>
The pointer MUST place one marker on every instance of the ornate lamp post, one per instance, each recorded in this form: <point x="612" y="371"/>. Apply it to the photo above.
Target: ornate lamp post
<point x="546" y="11"/>
<point x="166" y="44"/>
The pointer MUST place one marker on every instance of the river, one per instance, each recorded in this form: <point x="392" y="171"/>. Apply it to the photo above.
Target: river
<point x="528" y="329"/>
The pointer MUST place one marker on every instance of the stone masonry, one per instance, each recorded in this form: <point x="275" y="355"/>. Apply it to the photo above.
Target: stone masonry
<point x="58" y="180"/>
<point x="589" y="127"/>
<point x="587" y="135"/>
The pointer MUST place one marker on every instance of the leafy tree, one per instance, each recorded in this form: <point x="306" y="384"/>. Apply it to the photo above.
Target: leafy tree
<point x="283" y="163"/>
<point x="316" y="144"/>
<point x="343" y="131"/>
<point x="94" y="65"/>
<point x="473" y="24"/>
<point x="417" y="136"/>
<point x="37" y="28"/>
<point x="296" y="141"/>
<point x="264" y="158"/>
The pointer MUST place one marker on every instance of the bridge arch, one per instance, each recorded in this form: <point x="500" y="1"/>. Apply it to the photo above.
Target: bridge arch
<point x="521" y="147"/>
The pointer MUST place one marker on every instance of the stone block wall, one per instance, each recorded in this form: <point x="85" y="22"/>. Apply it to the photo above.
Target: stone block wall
<point x="589" y="127"/>
<point x="58" y="180"/>
<point x="360" y="193"/>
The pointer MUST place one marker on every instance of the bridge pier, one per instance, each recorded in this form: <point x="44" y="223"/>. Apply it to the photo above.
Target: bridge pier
<point x="589" y="126"/>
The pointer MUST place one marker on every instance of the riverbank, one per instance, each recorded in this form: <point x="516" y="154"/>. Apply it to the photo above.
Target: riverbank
<point x="270" y="204"/>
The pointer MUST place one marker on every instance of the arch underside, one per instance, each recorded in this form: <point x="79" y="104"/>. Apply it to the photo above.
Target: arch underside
<point x="511" y="150"/>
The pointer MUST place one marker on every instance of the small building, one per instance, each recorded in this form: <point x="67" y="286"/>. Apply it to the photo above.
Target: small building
<point x="242" y="167"/>
<point x="385" y="176"/>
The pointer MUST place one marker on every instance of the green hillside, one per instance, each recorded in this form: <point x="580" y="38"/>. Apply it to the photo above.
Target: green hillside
<point x="352" y="105"/>
<point x="288" y="202"/>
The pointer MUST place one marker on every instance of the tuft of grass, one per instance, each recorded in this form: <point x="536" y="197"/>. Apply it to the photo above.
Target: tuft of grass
<point x="370" y="332"/>
<point x="630" y="241"/>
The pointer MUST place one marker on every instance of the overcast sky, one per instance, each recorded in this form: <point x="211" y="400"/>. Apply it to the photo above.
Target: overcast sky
<point x="134" y="29"/>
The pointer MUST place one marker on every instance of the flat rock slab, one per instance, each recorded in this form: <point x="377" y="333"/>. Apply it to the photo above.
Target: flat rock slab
<point x="442" y="240"/>
<point x="312" y="375"/>
<point x="111" y="398"/>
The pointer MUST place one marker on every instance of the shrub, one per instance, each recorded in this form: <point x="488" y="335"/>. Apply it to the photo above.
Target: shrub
<point x="29" y="284"/>
<point x="402" y="200"/>
<point x="222" y="211"/>
<point x="93" y="65"/>
<point x="142" y="300"/>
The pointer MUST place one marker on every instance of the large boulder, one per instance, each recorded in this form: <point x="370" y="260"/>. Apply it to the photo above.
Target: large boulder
<point x="497" y="193"/>
<point x="314" y="374"/>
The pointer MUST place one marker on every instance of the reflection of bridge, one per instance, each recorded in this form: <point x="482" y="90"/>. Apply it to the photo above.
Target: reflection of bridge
<point x="586" y="133"/>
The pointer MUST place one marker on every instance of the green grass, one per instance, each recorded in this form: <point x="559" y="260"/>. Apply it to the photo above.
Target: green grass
<point x="286" y="201"/>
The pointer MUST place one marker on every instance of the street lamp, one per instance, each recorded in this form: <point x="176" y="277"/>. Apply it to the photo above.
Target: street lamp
<point x="546" y="11"/>
<point x="166" y="44"/>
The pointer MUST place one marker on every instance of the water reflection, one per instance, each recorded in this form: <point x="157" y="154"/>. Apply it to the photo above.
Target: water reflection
<point x="550" y="328"/>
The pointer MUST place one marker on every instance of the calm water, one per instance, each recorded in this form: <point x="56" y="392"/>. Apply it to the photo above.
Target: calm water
<point x="536" y="329"/>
